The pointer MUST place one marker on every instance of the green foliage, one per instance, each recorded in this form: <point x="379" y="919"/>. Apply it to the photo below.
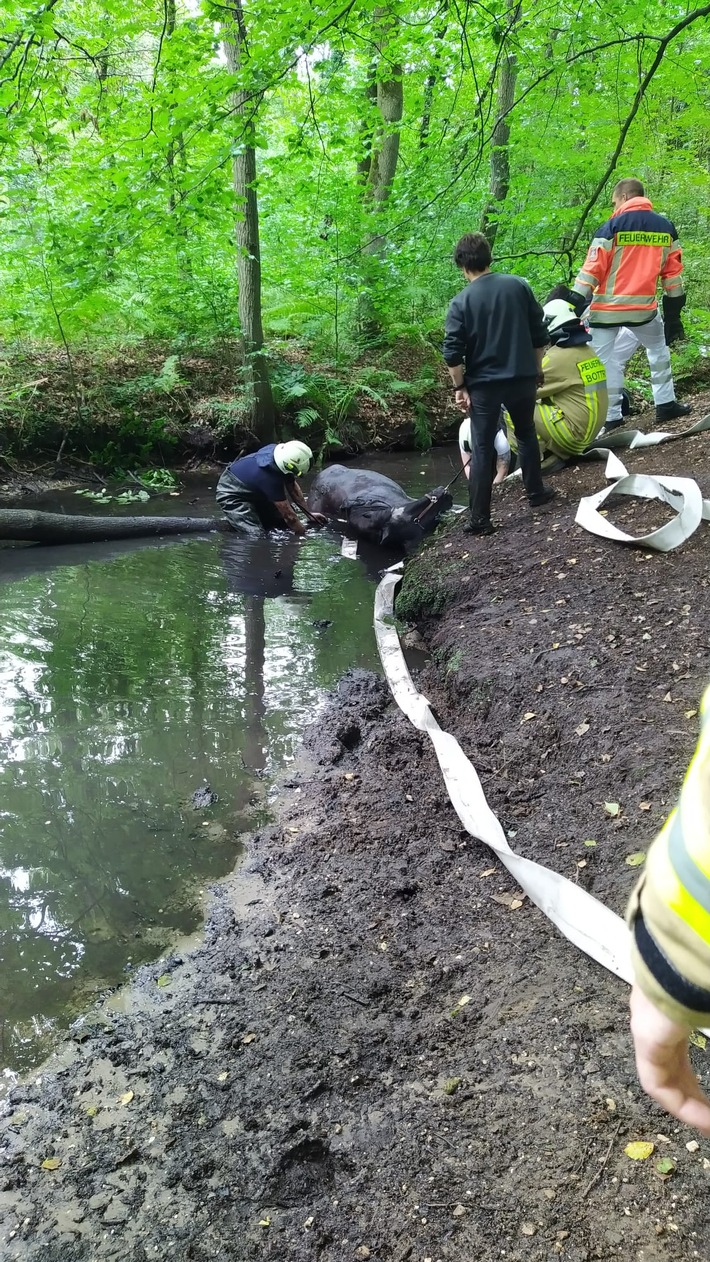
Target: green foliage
<point x="159" y="479"/>
<point x="135" y="438"/>
<point x="320" y="401"/>
<point x="117" y="207"/>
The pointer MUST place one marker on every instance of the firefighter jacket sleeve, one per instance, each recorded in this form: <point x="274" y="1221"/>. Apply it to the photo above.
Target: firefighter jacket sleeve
<point x="669" y="912"/>
<point x="596" y="267"/>
<point x="672" y="271"/>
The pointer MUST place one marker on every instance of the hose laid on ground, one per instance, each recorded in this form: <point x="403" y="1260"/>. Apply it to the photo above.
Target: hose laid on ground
<point x="591" y="926"/>
<point x="632" y="439"/>
<point x="681" y="494"/>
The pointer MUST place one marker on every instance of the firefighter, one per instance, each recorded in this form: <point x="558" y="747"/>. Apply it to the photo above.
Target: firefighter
<point x="572" y="400"/>
<point x="669" y="916"/>
<point x="626" y="259"/>
<point x="257" y="492"/>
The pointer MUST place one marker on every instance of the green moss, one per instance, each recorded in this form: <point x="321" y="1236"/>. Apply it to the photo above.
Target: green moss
<point x="431" y="580"/>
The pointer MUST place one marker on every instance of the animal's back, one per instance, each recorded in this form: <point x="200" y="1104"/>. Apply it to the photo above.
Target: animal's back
<point x="337" y="485"/>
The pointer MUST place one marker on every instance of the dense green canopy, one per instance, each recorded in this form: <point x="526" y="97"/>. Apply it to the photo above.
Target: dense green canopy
<point x="382" y="132"/>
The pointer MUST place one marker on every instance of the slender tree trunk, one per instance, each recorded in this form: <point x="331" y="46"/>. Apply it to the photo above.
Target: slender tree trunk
<point x="174" y="141"/>
<point x="176" y="162"/>
<point x="500" y="140"/>
<point x="366" y="128"/>
<point x="388" y="94"/>
<point x="429" y="85"/>
<point x="247" y="234"/>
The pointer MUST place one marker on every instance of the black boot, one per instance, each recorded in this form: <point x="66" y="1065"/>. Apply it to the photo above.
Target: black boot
<point x="613" y="424"/>
<point x="669" y="411"/>
<point x="543" y="497"/>
<point x="482" y="527"/>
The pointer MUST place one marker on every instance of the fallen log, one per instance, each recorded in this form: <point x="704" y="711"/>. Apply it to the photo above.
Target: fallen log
<point x="35" y="527"/>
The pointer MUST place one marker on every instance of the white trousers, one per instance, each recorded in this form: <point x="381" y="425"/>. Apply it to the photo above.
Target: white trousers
<point x="616" y="345"/>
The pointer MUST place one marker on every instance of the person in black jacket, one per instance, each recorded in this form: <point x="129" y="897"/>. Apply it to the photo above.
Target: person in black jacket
<point x="493" y="348"/>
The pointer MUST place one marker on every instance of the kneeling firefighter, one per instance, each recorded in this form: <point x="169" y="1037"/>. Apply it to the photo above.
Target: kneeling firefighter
<point x="257" y="492"/>
<point x="572" y="402"/>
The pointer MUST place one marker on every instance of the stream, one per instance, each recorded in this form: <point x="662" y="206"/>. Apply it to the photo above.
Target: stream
<point x="132" y="675"/>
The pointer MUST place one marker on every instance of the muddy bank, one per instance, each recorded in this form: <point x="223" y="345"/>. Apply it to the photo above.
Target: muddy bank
<point x="308" y="1083"/>
<point x="142" y="404"/>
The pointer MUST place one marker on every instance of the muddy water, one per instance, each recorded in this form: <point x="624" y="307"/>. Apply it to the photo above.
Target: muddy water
<point x="132" y="675"/>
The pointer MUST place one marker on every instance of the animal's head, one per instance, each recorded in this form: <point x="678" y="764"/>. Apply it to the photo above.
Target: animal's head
<point x="410" y="523"/>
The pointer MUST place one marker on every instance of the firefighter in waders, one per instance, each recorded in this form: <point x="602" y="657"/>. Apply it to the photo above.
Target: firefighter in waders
<point x="257" y="493"/>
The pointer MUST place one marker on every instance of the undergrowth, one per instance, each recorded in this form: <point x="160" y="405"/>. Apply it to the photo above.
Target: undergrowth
<point x="144" y="403"/>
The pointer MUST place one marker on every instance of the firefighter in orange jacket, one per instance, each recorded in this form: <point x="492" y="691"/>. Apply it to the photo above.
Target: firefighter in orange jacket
<point x="628" y="255"/>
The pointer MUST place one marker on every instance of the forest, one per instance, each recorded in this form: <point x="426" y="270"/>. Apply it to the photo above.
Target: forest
<point x="225" y="221"/>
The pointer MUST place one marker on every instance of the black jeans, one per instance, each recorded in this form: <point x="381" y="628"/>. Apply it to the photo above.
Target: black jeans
<point x="517" y="395"/>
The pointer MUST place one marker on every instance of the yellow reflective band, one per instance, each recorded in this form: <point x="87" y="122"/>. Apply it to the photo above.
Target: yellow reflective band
<point x="556" y="427"/>
<point x="592" y="371"/>
<point x="694" y="805"/>
<point x="643" y="238"/>
<point x="675" y="895"/>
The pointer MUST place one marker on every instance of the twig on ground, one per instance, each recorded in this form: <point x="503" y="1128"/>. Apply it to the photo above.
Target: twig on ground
<point x="364" y="1003"/>
<point x="598" y="1173"/>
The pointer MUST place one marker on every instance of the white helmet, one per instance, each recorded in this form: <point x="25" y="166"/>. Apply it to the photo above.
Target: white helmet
<point x="557" y="313"/>
<point x="293" y="457"/>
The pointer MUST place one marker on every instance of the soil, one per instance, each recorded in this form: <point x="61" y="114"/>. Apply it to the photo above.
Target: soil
<point x="308" y="1083"/>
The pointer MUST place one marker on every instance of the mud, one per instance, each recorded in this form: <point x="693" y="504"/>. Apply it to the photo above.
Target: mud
<point x="308" y="1082"/>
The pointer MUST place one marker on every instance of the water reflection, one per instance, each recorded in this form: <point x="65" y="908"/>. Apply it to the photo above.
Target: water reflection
<point x="126" y="683"/>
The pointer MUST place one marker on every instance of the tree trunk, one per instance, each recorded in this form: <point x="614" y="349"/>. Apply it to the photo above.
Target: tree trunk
<point x="389" y="96"/>
<point x="390" y="104"/>
<point x="500" y="155"/>
<point x="366" y="129"/>
<point x="34" y="527"/>
<point x="261" y="404"/>
<point x="431" y="81"/>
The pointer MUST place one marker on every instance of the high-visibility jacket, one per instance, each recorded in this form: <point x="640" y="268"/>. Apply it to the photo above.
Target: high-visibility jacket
<point x="628" y="255"/>
<point x="669" y="913"/>
<point x="572" y="402"/>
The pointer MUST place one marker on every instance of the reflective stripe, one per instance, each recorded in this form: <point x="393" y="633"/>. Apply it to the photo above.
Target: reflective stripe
<point x="674" y="894"/>
<point x="601" y="243"/>
<point x="613" y="273"/>
<point x="617" y="319"/>
<point x="694" y="801"/>
<point x="681" y="867"/>
<point x="585" y="278"/>
<point x="622" y="300"/>
<point x="689" y="874"/>
<point x="557" y="428"/>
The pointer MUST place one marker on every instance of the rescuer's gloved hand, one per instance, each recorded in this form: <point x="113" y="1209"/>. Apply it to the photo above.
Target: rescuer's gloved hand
<point x="672" y="323"/>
